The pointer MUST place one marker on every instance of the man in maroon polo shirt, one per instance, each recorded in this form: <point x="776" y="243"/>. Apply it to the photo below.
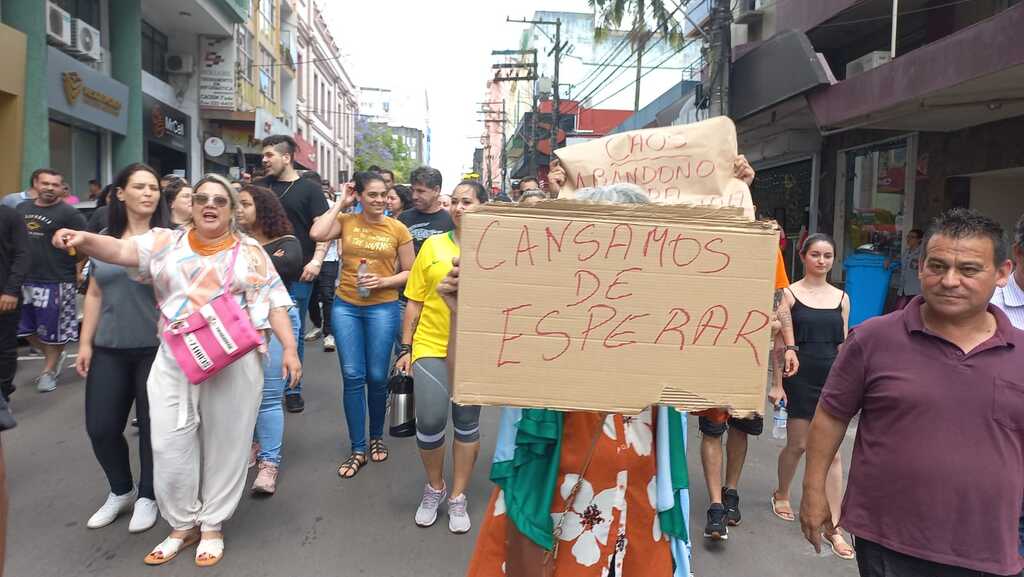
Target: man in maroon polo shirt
<point x="937" y="477"/>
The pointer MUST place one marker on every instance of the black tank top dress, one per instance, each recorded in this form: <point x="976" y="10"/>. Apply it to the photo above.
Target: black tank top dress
<point x="818" y="332"/>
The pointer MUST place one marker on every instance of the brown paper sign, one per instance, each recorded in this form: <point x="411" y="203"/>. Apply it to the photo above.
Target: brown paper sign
<point x="686" y="164"/>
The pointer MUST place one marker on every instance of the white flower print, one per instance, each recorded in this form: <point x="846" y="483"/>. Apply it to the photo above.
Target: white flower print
<point x="499" y="504"/>
<point x="652" y="496"/>
<point x="588" y="520"/>
<point x="609" y="428"/>
<point x="639" y="432"/>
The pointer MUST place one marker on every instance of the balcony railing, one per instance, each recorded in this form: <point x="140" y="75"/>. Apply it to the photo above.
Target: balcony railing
<point x="698" y="11"/>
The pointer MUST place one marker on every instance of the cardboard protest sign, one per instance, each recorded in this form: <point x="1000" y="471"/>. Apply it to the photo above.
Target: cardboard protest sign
<point x="583" y="306"/>
<point x="686" y="164"/>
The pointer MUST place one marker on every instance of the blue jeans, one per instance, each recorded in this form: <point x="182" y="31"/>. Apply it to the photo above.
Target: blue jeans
<point x="301" y="292"/>
<point x="270" y="421"/>
<point x="365" y="354"/>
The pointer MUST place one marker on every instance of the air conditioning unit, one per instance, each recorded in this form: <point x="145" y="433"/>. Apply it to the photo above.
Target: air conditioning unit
<point x="748" y="11"/>
<point x="867" y="62"/>
<point x="179" y="63"/>
<point x="85" y="41"/>
<point x="58" y="25"/>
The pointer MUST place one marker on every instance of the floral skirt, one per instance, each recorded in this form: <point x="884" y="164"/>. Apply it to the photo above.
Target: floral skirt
<point x="612" y="522"/>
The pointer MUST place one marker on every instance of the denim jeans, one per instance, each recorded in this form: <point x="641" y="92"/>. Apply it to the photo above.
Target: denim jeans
<point x="300" y="292"/>
<point x="270" y="421"/>
<point x="365" y="356"/>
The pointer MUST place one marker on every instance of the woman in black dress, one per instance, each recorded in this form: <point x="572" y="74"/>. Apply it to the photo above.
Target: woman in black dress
<point x="820" y="312"/>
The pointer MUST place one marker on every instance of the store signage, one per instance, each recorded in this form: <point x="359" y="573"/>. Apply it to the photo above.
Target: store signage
<point x="214" y="147"/>
<point x="78" y="91"/>
<point x="267" y="124"/>
<point x="163" y="124"/>
<point x="217" y="72"/>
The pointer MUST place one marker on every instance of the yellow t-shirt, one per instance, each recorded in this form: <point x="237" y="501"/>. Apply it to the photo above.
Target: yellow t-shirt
<point x="432" y="264"/>
<point x="376" y="242"/>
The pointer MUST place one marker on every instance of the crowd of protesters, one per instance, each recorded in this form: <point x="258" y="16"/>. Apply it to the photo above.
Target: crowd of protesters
<point x="936" y="384"/>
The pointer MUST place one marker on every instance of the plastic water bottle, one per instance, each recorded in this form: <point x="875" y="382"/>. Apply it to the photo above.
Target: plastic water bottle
<point x="779" y="421"/>
<point x="364" y="293"/>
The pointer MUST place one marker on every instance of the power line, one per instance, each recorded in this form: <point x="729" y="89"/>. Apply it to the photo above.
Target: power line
<point x="889" y="17"/>
<point x="670" y="57"/>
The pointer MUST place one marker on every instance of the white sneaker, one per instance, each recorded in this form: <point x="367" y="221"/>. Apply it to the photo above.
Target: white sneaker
<point x="111" y="510"/>
<point x="144" y="516"/>
<point x="458" y="518"/>
<point x="329" y="345"/>
<point x="426" y="514"/>
<point x="314" y="334"/>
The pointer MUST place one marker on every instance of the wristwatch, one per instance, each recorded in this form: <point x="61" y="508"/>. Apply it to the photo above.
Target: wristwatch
<point x="792" y="348"/>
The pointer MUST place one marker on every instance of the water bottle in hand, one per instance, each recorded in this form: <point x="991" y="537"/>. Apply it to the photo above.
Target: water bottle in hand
<point x="779" y="421"/>
<point x="364" y="293"/>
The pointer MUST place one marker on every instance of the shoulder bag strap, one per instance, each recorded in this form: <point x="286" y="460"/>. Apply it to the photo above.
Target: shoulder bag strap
<point x="576" y="488"/>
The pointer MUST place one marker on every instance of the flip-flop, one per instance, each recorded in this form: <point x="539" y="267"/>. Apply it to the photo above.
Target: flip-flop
<point x="213" y="549"/>
<point x="775" y="509"/>
<point x="169" y="549"/>
<point x="849" y="556"/>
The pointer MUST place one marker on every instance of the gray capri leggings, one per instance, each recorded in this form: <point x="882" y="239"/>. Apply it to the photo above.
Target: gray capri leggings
<point x="433" y="397"/>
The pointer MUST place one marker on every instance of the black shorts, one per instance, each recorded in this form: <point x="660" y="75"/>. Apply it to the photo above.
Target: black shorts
<point x="874" y="560"/>
<point x="716" y="428"/>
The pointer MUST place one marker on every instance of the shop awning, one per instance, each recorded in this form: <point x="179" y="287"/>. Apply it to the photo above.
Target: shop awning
<point x="773" y="72"/>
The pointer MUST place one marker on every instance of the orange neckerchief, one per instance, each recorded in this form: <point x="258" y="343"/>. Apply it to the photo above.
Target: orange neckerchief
<point x="208" y="248"/>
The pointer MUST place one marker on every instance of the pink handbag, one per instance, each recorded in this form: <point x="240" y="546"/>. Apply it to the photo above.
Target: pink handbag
<point x="213" y="337"/>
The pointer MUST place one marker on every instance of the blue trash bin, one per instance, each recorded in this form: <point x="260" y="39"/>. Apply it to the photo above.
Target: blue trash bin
<point x="867" y="283"/>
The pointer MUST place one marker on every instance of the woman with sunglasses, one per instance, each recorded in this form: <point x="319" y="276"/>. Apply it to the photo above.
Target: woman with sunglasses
<point x="264" y="219"/>
<point x="118" y="344"/>
<point x="376" y="255"/>
<point x="201" y="434"/>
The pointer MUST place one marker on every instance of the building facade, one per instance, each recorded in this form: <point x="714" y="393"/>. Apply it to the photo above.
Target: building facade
<point x="327" y="100"/>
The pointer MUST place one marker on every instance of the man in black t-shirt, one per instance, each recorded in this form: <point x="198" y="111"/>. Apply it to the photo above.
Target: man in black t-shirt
<point x="426" y="218"/>
<point x="49" y="314"/>
<point x="14" y="265"/>
<point x="303" y="201"/>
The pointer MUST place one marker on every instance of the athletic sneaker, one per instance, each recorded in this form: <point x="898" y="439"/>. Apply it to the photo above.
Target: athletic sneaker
<point x="426" y="514"/>
<point x="731" y="500"/>
<point x="46" y="383"/>
<point x="716" y="529"/>
<point x="112" y="508"/>
<point x="294" y="403"/>
<point x="314" y="334"/>
<point x="144" y="515"/>
<point x="329" y="346"/>
<point x="458" y="517"/>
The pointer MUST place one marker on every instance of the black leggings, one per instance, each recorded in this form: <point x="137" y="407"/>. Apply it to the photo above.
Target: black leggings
<point x="8" y="351"/>
<point x="117" y="378"/>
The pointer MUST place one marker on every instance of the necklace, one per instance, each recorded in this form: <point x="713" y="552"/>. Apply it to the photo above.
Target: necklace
<point x="287" y="190"/>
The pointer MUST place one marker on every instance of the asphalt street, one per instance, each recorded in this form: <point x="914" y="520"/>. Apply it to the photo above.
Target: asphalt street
<point x="317" y="524"/>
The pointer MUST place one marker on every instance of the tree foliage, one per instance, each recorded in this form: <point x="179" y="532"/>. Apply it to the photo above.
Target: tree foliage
<point x="646" y="17"/>
<point x="377" y="145"/>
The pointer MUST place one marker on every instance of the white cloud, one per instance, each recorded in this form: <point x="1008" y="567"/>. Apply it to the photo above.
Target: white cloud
<point x="441" y="47"/>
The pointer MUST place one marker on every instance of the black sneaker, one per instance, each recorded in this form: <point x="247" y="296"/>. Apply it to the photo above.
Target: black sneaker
<point x="731" y="498"/>
<point x="294" y="403"/>
<point x="716" y="529"/>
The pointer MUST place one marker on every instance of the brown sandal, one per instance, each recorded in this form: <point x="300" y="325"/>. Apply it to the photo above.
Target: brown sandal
<point x="351" y="466"/>
<point x="378" y="451"/>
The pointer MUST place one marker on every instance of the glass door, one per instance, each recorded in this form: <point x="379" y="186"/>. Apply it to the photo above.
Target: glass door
<point x="877" y="189"/>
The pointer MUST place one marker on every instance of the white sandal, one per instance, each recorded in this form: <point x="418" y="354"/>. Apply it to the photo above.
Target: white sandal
<point x="213" y="549"/>
<point x="169" y="548"/>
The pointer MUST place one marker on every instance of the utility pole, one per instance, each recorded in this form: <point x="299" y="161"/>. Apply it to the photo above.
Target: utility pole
<point x="556" y="51"/>
<point x="514" y="74"/>
<point x="720" y="59"/>
<point x="488" y="111"/>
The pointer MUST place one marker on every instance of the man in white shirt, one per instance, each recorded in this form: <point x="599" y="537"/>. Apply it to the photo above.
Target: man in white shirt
<point x="15" y="198"/>
<point x="1010" y="299"/>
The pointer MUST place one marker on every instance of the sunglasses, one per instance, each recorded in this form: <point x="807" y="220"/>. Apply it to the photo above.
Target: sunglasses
<point x="201" y="199"/>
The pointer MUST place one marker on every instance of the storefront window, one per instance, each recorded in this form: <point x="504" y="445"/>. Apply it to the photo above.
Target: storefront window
<point x="75" y="153"/>
<point x="781" y="193"/>
<point x="876" y="186"/>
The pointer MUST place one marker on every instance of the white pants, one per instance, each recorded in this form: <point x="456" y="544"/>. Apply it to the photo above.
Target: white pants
<point x="201" y="437"/>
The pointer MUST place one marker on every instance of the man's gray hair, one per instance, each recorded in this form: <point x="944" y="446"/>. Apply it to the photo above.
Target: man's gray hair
<point x="623" y="193"/>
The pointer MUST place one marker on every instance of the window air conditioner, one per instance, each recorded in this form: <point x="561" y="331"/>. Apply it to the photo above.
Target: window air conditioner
<point x="58" y="25"/>
<point x="867" y="62"/>
<point x="85" y="41"/>
<point x="749" y="11"/>
<point x="179" y="63"/>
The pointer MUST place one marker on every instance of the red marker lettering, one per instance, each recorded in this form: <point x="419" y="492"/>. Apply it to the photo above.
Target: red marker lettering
<point x="577" y="241"/>
<point x="706" y="323"/>
<point x="726" y="257"/>
<point x="480" y="242"/>
<point x="591" y="327"/>
<point x="542" y="333"/>
<point x="527" y="248"/>
<point x="617" y="333"/>
<point x="675" y="328"/>
<point x="675" y="247"/>
<point x="505" y="338"/>
<point x="652" y="236"/>
<point x="579" y="286"/>
<point x="612" y="244"/>
<point x="743" y="334"/>
<point x="552" y="240"/>
<point x="617" y="282"/>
